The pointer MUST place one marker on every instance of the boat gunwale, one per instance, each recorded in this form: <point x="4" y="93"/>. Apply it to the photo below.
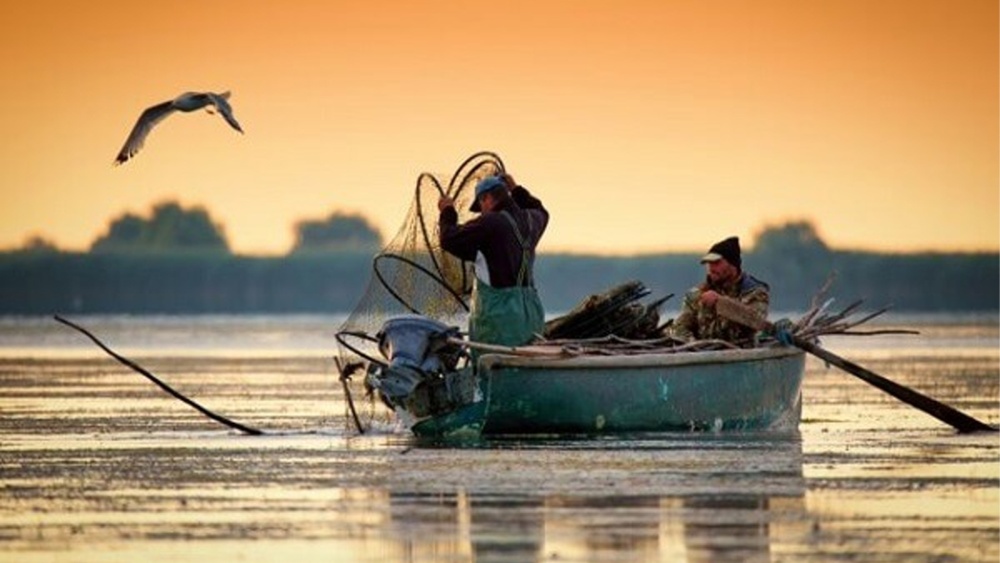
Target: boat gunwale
<point x="640" y="360"/>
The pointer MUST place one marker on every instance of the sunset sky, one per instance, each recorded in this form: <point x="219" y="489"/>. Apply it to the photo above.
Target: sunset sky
<point x="643" y="125"/>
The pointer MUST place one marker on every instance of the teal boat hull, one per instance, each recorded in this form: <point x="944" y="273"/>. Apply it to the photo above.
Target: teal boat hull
<point x="754" y="389"/>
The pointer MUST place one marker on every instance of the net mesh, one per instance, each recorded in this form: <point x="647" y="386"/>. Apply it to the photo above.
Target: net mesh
<point x="412" y="274"/>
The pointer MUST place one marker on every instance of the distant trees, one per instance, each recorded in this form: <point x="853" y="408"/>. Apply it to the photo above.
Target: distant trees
<point x="136" y="267"/>
<point x="38" y="245"/>
<point x="178" y="260"/>
<point x="171" y="228"/>
<point x="337" y="233"/>
<point x="793" y="259"/>
<point x="796" y="238"/>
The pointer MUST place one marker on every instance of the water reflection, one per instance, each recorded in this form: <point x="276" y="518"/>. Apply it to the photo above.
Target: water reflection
<point x="668" y="499"/>
<point x="96" y="465"/>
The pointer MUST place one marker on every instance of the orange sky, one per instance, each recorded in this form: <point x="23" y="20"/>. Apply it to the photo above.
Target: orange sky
<point x="643" y="125"/>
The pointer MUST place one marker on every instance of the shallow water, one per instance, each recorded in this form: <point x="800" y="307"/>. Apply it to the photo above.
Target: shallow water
<point x="97" y="464"/>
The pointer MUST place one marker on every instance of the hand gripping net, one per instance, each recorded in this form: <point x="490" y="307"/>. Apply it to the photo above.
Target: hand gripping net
<point x="411" y="274"/>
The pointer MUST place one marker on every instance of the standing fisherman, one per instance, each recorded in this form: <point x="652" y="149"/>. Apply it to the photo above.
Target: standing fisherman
<point x="501" y="242"/>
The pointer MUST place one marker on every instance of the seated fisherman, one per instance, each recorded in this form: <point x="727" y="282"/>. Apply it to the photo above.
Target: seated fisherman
<point x="505" y="307"/>
<point x="724" y="277"/>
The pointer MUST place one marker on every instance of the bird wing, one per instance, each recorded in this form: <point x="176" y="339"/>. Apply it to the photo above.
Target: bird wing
<point x="143" y="126"/>
<point x="219" y="101"/>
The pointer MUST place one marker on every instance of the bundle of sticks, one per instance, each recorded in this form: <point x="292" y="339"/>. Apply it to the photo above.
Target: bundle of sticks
<point x="615" y="323"/>
<point x="616" y="312"/>
<point x="619" y="346"/>
<point x="818" y="322"/>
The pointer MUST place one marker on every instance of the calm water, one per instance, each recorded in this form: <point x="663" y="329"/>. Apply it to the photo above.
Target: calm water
<point x="97" y="464"/>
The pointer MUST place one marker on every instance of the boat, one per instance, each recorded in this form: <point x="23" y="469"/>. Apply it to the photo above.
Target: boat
<point x="752" y="389"/>
<point x="518" y="394"/>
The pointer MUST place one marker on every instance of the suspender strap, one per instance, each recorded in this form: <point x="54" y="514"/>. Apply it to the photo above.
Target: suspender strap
<point x="524" y="272"/>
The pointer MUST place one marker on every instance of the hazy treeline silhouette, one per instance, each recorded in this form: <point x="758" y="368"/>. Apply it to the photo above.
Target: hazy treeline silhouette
<point x="179" y="283"/>
<point x="50" y="282"/>
<point x="171" y="229"/>
<point x="178" y="261"/>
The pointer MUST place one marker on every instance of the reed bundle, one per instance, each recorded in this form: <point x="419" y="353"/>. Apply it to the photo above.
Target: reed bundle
<point x="616" y="323"/>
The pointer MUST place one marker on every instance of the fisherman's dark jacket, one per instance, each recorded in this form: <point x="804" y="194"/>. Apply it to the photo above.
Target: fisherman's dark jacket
<point x="700" y="322"/>
<point x="491" y="237"/>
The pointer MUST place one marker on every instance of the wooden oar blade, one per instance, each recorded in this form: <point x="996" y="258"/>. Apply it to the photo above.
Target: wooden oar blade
<point x="740" y="313"/>
<point x="949" y="415"/>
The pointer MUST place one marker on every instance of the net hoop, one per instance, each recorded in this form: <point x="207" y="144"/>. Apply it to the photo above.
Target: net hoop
<point x="427" y="241"/>
<point x="341" y="335"/>
<point x="430" y="274"/>
<point x="488" y="158"/>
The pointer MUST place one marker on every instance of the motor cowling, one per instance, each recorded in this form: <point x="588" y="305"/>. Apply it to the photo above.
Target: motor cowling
<point x="417" y="352"/>
<point x="406" y="341"/>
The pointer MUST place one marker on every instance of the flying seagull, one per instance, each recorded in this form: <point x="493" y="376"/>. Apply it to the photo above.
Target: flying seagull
<point x="186" y="102"/>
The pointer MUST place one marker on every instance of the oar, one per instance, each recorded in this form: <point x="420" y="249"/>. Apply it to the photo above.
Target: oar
<point x="142" y="371"/>
<point x="740" y="313"/>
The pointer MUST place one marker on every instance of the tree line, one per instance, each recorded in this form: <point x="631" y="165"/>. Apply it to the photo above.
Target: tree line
<point x="174" y="229"/>
<point x="178" y="261"/>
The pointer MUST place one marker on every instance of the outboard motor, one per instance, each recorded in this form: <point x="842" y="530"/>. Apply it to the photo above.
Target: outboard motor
<point x="406" y="340"/>
<point x="417" y="353"/>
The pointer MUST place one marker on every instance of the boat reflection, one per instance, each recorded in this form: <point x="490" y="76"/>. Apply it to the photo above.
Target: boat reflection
<point x="682" y="500"/>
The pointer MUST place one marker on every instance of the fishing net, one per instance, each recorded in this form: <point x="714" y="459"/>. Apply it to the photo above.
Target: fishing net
<point x="412" y="274"/>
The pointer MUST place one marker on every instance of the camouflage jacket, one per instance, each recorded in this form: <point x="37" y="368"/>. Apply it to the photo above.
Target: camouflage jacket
<point x="699" y="322"/>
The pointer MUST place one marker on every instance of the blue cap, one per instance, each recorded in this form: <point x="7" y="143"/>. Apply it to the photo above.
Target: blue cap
<point x="486" y="184"/>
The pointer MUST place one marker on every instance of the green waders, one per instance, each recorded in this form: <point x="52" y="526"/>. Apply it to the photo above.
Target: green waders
<point x="508" y="316"/>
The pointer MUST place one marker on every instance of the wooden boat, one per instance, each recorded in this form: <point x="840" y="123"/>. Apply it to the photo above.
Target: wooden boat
<point x="750" y="389"/>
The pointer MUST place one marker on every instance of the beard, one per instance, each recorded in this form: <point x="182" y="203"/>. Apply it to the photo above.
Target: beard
<point x="722" y="280"/>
